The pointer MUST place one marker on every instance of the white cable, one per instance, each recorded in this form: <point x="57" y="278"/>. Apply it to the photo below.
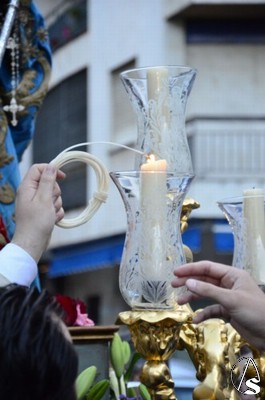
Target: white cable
<point x="99" y="197"/>
<point x="103" y="142"/>
<point x="102" y="174"/>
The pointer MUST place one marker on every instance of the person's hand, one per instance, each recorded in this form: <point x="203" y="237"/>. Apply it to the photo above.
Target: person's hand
<point x="240" y="300"/>
<point x="38" y="208"/>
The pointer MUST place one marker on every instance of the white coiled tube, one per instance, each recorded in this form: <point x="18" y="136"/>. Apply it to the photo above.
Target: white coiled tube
<point x="99" y="197"/>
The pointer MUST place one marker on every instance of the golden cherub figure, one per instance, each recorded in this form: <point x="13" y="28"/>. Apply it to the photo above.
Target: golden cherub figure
<point x="187" y="207"/>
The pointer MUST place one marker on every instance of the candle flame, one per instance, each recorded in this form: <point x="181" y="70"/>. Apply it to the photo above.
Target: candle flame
<point x="150" y="158"/>
<point x="152" y="164"/>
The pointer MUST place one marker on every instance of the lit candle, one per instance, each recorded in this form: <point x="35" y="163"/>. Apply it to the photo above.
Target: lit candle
<point x="153" y="165"/>
<point x="153" y="191"/>
<point x="255" y="231"/>
<point x="153" y="180"/>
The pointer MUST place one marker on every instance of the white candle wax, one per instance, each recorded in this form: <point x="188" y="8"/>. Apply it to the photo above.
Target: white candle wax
<point x="157" y="82"/>
<point x="153" y="190"/>
<point x="158" y="97"/>
<point x="255" y="231"/>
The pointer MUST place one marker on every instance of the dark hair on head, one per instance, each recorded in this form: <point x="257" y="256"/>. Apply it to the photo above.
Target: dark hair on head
<point x="37" y="362"/>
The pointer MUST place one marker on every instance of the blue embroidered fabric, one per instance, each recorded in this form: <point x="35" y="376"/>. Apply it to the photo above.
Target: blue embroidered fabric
<point x="34" y="70"/>
<point x="35" y="60"/>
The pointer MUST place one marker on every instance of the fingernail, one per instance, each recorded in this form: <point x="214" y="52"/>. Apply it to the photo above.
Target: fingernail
<point x="191" y="283"/>
<point x="50" y="170"/>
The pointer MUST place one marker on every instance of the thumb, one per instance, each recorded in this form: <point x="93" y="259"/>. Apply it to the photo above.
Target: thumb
<point x="204" y="289"/>
<point x="47" y="180"/>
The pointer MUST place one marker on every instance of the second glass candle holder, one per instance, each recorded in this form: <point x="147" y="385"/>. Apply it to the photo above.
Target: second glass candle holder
<point x="153" y="245"/>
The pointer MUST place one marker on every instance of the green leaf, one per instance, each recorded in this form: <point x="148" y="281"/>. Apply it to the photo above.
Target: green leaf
<point x="131" y="392"/>
<point x="136" y="357"/>
<point x="126" y="352"/>
<point x="84" y="382"/>
<point x="98" y="390"/>
<point x="144" y="392"/>
<point x="116" y="355"/>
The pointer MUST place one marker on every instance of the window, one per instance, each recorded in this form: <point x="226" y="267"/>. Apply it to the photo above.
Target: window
<point x="60" y="124"/>
<point x="123" y="118"/>
<point x="229" y="30"/>
<point x="93" y="308"/>
<point x="68" y="25"/>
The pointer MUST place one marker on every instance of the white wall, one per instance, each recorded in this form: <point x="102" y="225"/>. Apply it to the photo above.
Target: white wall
<point x="230" y="80"/>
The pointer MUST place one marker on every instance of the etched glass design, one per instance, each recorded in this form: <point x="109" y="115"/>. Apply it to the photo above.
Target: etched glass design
<point x="249" y="238"/>
<point x="153" y="245"/>
<point x="158" y="96"/>
<point x="153" y="194"/>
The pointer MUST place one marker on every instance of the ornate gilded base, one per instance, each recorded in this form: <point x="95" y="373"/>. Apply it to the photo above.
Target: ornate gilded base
<point x="155" y="335"/>
<point x="213" y="346"/>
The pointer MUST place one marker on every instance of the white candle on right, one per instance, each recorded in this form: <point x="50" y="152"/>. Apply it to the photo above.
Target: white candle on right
<point x="253" y="208"/>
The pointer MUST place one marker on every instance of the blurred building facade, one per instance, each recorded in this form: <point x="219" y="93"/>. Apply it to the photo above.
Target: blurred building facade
<point x="93" y="41"/>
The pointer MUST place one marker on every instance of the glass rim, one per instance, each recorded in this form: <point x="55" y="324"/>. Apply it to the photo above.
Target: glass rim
<point x="133" y="173"/>
<point x="182" y="70"/>
<point x="239" y="199"/>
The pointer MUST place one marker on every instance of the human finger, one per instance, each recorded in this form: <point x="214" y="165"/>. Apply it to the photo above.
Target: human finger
<point x="56" y="191"/>
<point x="35" y="171"/>
<point x="60" y="175"/>
<point x="212" y="311"/>
<point x="59" y="215"/>
<point x="178" y="282"/>
<point x="57" y="203"/>
<point x="223" y="296"/>
<point x="47" y="182"/>
<point x="215" y="273"/>
<point x="202" y="268"/>
<point x="186" y="297"/>
<point x="30" y="181"/>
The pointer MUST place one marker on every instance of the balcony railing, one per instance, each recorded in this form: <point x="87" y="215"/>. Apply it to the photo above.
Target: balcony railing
<point x="228" y="147"/>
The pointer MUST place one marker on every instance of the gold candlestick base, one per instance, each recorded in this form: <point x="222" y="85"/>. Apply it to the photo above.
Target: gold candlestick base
<point x="155" y="335"/>
<point x="213" y="347"/>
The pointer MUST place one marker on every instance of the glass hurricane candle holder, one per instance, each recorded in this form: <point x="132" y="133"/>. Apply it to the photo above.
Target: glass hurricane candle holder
<point x="153" y="245"/>
<point x="246" y="217"/>
<point x="158" y="96"/>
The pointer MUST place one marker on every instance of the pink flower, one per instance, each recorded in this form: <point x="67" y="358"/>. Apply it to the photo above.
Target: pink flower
<point x="75" y="312"/>
<point x="82" y="318"/>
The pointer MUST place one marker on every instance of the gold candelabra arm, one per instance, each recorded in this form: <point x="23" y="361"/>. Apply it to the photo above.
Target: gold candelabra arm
<point x="155" y="335"/>
<point x="212" y="346"/>
<point x="215" y="349"/>
<point x="241" y="348"/>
